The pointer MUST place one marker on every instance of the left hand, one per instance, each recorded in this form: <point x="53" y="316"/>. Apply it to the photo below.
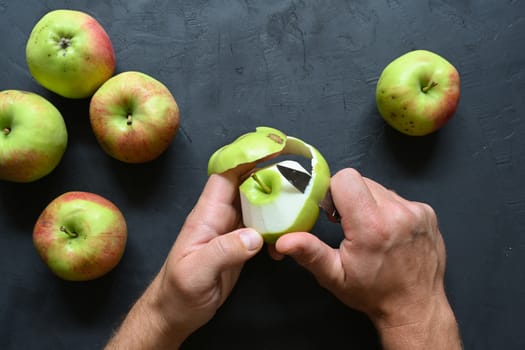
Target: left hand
<point x="198" y="274"/>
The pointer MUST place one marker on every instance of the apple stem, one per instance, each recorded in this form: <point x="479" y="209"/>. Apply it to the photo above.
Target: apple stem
<point x="429" y="86"/>
<point x="129" y="122"/>
<point x="261" y="184"/>
<point x="69" y="233"/>
<point x="6" y="131"/>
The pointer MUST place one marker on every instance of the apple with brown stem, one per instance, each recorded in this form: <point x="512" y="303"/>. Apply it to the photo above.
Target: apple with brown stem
<point x="80" y="236"/>
<point x="418" y="92"/>
<point x="134" y="117"/>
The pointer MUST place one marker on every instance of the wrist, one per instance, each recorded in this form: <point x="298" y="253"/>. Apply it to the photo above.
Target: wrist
<point x="424" y="325"/>
<point x="146" y="325"/>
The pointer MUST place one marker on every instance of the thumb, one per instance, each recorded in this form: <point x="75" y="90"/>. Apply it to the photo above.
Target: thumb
<point x="230" y="250"/>
<point x="314" y="255"/>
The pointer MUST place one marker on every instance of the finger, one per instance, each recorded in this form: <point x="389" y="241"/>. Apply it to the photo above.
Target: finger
<point x="351" y="195"/>
<point x="222" y="258"/>
<point x="215" y="212"/>
<point x="217" y="263"/>
<point x="314" y="255"/>
<point x="379" y="191"/>
<point x="274" y="254"/>
<point x="226" y="251"/>
<point x="218" y="189"/>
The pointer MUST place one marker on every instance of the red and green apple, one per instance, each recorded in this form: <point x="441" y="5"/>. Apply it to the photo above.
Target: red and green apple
<point x="418" y="92"/>
<point x="33" y="136"/>
<point x="134" y="117"/>
<point x="80" y="236"/>
<point x="70" y="53"/>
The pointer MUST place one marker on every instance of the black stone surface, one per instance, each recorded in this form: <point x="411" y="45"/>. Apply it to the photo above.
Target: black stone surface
<point x="308" y="68"/>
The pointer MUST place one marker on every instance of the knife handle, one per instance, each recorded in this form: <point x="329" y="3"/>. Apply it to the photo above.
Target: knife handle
<point x="327" y="204"/>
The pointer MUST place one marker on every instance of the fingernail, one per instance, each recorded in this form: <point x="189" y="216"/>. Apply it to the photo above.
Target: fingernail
<point x="250" y="238"/>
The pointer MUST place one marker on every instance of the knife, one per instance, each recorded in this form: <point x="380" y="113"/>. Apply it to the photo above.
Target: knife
<point x="300" y="180"/>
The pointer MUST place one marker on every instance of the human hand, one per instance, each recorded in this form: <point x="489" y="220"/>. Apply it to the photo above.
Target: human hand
<point x="198" y="274"/>
<point x="389" y="265"/>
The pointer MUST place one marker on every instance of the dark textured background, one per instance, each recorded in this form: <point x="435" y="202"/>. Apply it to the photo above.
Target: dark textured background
<point x="308" y="68"/>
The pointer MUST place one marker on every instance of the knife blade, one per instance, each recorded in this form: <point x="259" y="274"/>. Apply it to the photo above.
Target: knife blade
<point x="296" y="178"/>
<point x="300" y="180"/>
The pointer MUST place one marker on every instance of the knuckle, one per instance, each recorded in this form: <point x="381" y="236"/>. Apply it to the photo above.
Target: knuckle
<point x="347" y="174"/>
<point x="401" y="216"/>
<point x="352" y="172"/>
<point x="400" y="223"/>
<point x="424" y="213"/>
<point x="380" y="232"/>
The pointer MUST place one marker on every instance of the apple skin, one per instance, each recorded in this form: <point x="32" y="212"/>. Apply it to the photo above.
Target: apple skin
<point x="418" y="92"/>
<point x="70" y="53"/>
<point x="33" y="136"/>
<point x="134" y="117"/>
<point x="100" y="240"/>
<point x="248" y="149"/>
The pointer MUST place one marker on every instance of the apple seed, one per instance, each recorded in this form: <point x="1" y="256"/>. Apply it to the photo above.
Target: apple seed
<point x="262" y="185"/>
<point x="69" y="233"/>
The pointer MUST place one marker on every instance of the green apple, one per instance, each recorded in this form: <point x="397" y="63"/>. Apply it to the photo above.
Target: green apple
<point x="70" y="53"/>
<point x="134" y="117"/>
<point x="80" y="236"/>
<point x="418" y="92"/>
<point x="33" y="136"/>
<point x="269" y="203"/>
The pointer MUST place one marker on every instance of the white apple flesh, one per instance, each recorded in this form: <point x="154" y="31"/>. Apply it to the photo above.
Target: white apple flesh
<point x="276" y="207"/>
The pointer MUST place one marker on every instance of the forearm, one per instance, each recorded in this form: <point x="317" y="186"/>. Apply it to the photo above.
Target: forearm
<point x="436" y="330"/>
<point x="145" y="327"/>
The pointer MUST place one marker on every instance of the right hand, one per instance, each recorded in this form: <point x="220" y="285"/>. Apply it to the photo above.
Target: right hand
<point x="390" y="263"/>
